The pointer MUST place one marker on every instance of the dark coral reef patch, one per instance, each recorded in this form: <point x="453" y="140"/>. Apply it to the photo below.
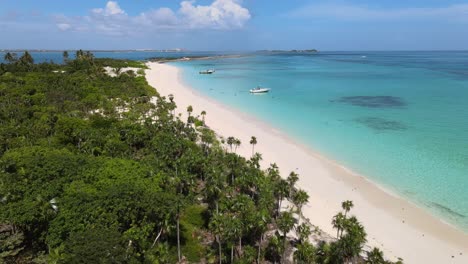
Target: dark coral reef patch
<point x="381" y="101"/>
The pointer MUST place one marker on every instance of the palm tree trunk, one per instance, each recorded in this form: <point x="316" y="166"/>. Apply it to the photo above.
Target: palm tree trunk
<point x="240" y="246"/>
<point x="283" y="258"/>
<point x="157" y="237"/>
<point x="259" y="249"/>
<point x="219" y="250"/>
<point x="178" y="238"/>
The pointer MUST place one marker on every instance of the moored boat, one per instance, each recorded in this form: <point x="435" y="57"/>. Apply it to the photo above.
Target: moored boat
<point x="210" y="71"/>
<point x="259" y="89"/>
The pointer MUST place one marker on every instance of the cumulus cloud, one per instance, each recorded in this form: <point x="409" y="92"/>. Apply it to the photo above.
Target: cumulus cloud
<point x="220" y="14"/>
<point x="112" y="8"/>
<point x="113" y="20"/>
<point x="63" y="26"/>
<point x="357" y="12"/>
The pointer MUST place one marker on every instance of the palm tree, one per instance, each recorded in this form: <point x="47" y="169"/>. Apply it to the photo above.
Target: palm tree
<point x="65" y="56"/>
<point x="218" y="229"/>
<point x="26" y="58"/>
<point x="10" y="57"/>
<point x="338" y="222"/>
<point x="304" y="254"/>
<point x="171" y="99"/>
<point x="89" y="56"/>
<point x="299" y="199"/>
<point x="303" y="232"/>
<point x="230" y="141"/>
<point x="292" y="180"/>
<point x="189" y="110"/>
<point x="375" y="256"/>
<point x="179" y="205"/>
<point x="349" y="246"/>
<point x="237" y="143"/>
<point x="261" y="226"/>
<point x="253" y="142"/>
<point x="347" y="205"/>
<point x="117" y="71"/>
<point x="285" y="224"/>
<point x="203" y="114"/>
<point x="281" y="192"/>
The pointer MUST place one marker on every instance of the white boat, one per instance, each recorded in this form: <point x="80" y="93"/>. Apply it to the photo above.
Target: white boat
<point x="210" y="71"/>
<point x="259" y="89"/>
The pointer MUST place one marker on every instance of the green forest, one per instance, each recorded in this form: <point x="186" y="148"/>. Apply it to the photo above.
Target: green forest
<point x="99" y="169"/>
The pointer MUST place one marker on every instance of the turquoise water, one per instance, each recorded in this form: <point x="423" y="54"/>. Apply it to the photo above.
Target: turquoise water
<point x="400" y="118"/>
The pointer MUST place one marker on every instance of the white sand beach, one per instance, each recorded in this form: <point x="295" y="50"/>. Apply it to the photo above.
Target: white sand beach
<point x="394" y="225"/>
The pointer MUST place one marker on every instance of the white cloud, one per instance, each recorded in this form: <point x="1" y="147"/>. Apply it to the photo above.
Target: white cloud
<point x="112" y="8"/>
<point x="112" y="20"/>
<point x="63" y="26"/>
<point x="220" y="14"/>
<point x="356" y="12"/>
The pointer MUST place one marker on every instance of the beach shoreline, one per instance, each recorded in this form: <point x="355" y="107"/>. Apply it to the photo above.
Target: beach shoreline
<point x="397" y="226"/>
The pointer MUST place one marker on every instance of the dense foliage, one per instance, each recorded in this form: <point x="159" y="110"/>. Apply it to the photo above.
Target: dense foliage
<point x="93" y="171"/>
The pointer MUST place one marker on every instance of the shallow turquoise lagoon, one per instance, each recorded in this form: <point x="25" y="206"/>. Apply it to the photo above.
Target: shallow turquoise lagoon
<point x="399" y="118"/>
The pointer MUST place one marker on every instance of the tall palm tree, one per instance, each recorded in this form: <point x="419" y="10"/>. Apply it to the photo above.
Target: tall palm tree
<point x="230" y="141"/>
<point x="338" y="222"/>
<point x="80" y="54"/>
<point x="65" y="56"/>
<point x="375" y="256"/>
<point x="253" y="142"/>
<point x="203" y="114"/>
<point x="171" y="99"/>
<point x="218" y="229"/>
<point x="285" y="224"/>
<point x="347" y="205"/>
<point x="304" y="254"/>
<point x="282" y="192"/>
<point x="292" y="180"/>
<point x="237" y="143"/>
<point x="89" y="56"/>
<point x="26" y="58"/>
<point x="189" y="110"/>
<point x="261" y="226"/>
<point x="299" y="199"/>
<point x="303" y="232"/>
<point x="10" y="57"/>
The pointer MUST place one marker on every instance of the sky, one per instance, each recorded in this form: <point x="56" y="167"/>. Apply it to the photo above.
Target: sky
<point x="235" y="25"/>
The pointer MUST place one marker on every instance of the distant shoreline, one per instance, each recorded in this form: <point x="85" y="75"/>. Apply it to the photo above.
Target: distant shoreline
<point x="189" y="58"/>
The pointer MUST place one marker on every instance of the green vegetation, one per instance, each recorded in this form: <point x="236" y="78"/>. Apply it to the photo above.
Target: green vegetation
<point x="91" y="171"/>
<point x="114" y="63"/>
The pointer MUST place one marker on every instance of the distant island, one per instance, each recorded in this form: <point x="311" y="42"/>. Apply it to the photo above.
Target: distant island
<point x="291" y="51"/>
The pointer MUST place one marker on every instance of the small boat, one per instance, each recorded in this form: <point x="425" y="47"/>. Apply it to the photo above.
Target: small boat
<point x="210" y="71"/>
<point x="259" y="89"/>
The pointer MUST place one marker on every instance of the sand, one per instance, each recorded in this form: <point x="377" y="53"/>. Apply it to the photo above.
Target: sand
<point x="396" y="226"/>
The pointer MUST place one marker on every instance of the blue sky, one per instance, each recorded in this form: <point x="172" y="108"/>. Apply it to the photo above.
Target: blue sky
<point x="235" y="24"/>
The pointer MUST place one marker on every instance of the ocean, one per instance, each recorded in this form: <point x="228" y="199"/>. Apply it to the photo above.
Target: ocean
<point x="399" y="118"/>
